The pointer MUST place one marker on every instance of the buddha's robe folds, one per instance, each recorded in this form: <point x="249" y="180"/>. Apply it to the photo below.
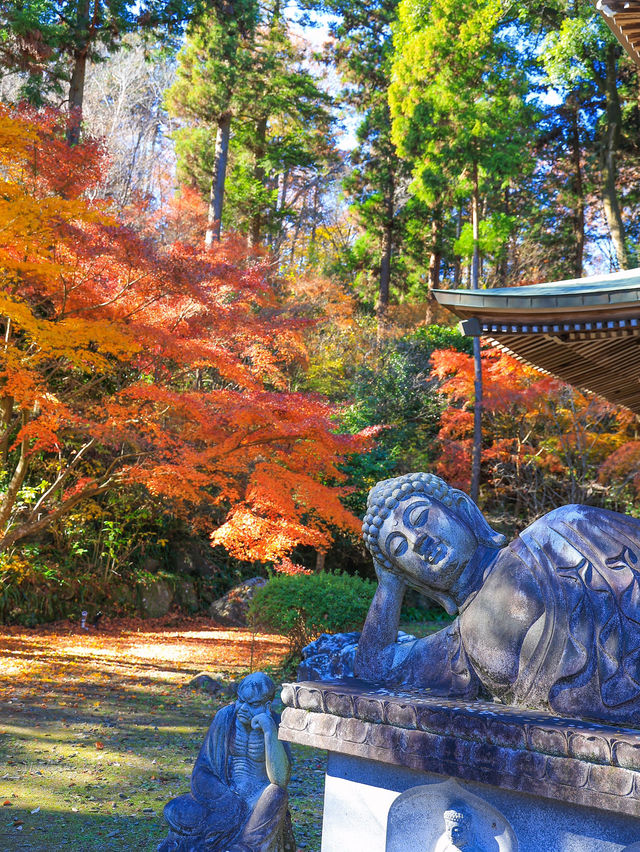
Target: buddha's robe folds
<point x="213" y="816"/>
<point x="555" y="623"/>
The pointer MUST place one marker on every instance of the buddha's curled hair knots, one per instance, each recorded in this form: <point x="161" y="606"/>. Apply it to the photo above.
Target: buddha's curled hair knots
<point x="385" y="496"/>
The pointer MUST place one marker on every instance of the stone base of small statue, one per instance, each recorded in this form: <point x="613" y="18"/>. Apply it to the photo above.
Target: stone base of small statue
<point x="411" y="771"/>
<point x="238" y="800"/>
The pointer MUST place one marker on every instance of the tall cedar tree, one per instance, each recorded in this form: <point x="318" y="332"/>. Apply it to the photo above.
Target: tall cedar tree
<point x="396" y="235"/>
<point x="123" y="363"/>
<point x="243" y="81"/>
<point x="458" y="109"/>
<point x="209" y="90"/>
<point x="585" y="62"/>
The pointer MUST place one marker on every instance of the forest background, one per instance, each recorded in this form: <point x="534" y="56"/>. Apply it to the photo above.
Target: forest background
<point x="219" y="236"/>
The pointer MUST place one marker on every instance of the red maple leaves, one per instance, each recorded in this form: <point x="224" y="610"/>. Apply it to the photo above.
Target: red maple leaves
<point x="137" y="362"/>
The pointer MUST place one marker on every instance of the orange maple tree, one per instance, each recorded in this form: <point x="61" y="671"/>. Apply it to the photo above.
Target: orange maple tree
<point x="129" y="362"/>
<point x="543" y="441"/>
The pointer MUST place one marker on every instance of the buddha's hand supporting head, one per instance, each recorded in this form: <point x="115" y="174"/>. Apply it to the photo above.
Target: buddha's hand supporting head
<point x="419" y="528"/>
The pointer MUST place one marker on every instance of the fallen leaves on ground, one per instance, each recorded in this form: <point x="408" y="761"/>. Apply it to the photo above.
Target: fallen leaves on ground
<point x="100" y="731"/>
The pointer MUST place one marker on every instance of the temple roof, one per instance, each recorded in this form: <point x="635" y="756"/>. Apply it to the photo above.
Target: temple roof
<point x="585" y="331"/>
<point x="623" y="18"/>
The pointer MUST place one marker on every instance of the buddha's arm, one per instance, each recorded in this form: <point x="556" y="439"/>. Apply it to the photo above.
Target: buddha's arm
<point x="277" y="760"/>
<point x="376" y="648"/>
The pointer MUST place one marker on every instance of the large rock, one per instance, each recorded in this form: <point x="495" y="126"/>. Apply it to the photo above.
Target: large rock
<point x="154" y="598"/>
<point x="231" y="610"/>
<point x="193" y="557"/>
<point x="186" y="595"/>
<point x="124" y="596"/>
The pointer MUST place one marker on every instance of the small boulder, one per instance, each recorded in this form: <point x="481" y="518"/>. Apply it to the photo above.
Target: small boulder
<point x="154" y="598"/>
<point x="206" y="683"/>
<point x="231" y="610"/>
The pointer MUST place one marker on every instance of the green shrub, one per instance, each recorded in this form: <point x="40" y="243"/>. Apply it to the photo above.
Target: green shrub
<point x="302" y="606"/>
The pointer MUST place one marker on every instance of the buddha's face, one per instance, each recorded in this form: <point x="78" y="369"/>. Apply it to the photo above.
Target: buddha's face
<point x="427" y="543"/>
<point x="457" y="833"/>
<point x="251" y="703"/>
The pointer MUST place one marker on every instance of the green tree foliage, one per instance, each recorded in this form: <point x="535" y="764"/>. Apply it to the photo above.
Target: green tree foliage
<point x="598" y="83"/>
<point x="245" y="77"/>
<point x="458" y="98"/>
<point x="209" y="90"/>
<point x="459" y="112"/>
<point x="301" y="606"/>
<point x="395" y="244"/>
<point x="397" y="389"/>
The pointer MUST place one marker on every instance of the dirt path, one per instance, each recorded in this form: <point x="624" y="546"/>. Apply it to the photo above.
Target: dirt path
<point x="98" y="730"/>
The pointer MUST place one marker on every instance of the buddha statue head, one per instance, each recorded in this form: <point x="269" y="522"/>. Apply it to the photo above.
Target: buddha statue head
<point x="457" y="824"/>
<point x="421" y="529"/>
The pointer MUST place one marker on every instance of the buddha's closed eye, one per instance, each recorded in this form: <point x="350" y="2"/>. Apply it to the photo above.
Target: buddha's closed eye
<point x="417" y="514"/>
<point x="396" y="544"/>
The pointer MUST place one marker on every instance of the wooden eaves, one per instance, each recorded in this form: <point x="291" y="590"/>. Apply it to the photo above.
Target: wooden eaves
<point x="585" y="331"/>
<point x="623" y="18"/>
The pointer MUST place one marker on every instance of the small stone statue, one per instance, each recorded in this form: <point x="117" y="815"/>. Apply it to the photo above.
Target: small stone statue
<point x="458" y="832"/>
<point x="550" y="621"/>
<point x="238" y="799"/>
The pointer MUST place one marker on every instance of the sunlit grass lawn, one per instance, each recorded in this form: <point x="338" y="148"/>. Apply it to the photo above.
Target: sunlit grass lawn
<point x="99" y="730"/>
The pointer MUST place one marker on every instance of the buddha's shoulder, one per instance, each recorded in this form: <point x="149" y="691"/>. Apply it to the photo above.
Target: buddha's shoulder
<point x="579" y="516"/>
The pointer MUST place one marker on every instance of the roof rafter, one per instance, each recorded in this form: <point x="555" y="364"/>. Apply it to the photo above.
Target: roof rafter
<point x="622" y="17"/>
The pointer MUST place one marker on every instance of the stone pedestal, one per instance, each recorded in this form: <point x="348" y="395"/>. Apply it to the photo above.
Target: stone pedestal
<point x="399" y="762"/>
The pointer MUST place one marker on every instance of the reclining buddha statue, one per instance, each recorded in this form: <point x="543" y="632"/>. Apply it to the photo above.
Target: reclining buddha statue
<point x="548" y="621"/>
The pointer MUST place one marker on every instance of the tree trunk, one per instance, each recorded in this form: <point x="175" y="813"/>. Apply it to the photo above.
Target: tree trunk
<point x="281" y="203"/>
<point x="259" y="177"/>
<point x="11" y="494"/>
<point x="76" y="97"/>
<point x="457" y="268"/>
<point x="578" y="189"/>
<point x="216" y="197"/>
<point x="315" y="203"/>
<point x="384" y="282"/>
<point x="435" y="258"/>
<point x="608" y="162"/>
<point x="6" y="418"/>
<point x="476" y="457"/>
<point x="503" y="264"/>
<point x="78" y="74"/>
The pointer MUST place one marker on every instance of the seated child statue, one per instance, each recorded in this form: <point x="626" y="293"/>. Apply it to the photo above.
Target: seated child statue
<point x="238" y="799"/>
<point x="549" y="621"/>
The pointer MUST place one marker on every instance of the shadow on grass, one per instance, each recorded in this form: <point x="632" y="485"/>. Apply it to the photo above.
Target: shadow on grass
<point x="53" y="830"/>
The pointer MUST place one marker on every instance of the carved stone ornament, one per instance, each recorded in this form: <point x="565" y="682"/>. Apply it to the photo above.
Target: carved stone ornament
<point x="238" y="799"/>
<point x="549" y="621"/>
<point x="444" y="817"/>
